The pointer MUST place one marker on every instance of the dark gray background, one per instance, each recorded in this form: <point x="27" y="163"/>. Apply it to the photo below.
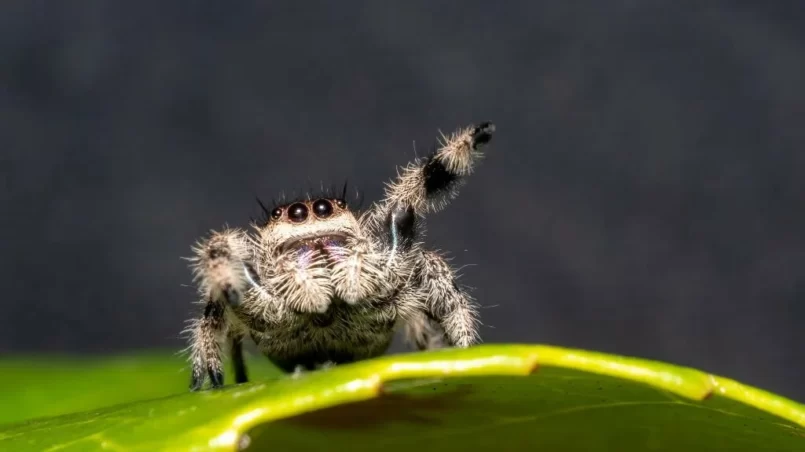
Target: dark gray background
<point x="643" y="194"/>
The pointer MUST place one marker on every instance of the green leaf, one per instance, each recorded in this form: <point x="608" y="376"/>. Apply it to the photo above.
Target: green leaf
<point x="40" y="386"/>
<point x="491" y="397"/>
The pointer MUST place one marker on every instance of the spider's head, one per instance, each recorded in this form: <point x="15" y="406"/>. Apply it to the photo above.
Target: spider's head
<point x="314" y="223"/>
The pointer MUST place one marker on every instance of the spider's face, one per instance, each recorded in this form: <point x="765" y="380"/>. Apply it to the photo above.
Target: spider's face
<point x="310" y="224"/>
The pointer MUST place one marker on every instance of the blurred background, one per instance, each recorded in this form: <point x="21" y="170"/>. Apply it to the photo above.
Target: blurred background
<point x="643" y="194"/>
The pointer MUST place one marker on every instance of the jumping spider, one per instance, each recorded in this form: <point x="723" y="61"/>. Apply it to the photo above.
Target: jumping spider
<point x="317" y="284"/>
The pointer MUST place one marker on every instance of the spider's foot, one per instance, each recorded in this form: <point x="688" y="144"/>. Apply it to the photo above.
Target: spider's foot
<point x="196" y="382"/>
<point x="482" y="133"/>
<point x="216" y="378"/>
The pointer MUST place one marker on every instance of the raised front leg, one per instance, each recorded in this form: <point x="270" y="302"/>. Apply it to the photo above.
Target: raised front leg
<point x="429" y="184"/>
<point x="223" y="272"/>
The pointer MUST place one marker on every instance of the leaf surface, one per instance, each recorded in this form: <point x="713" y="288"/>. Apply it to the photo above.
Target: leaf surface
<point x="490" y="397"/>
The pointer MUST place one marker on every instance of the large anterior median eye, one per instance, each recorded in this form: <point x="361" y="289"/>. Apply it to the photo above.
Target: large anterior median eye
<point x="322" y="208"/>
<point x="297" y="212"/>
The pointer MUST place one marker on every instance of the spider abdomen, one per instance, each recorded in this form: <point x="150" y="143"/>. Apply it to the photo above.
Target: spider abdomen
<point x="342" y="335"/>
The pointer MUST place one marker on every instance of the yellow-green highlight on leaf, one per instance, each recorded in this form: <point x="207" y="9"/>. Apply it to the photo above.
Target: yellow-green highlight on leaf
<point x="689" y="383"/>
<point x="218" y="420"/>
<point x="760" y="399"/>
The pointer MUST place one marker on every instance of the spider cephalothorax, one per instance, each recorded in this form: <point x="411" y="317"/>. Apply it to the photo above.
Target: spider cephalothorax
<point x="318" y="283"/>
<point x="306" y="223"/>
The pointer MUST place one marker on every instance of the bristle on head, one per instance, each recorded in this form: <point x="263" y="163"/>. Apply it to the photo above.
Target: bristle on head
<point x="331" y="191"/>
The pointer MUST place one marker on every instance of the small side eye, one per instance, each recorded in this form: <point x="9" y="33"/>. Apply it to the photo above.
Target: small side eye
<point x="341" y="203"/>
<point x="322" y="208"/>
<point x="276" y="213"/>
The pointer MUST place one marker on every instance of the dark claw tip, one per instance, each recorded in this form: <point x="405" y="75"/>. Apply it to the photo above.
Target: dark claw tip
<point x="216" y="378"/>
<point x="482" y="133"/>
<point x="196" y="383"/>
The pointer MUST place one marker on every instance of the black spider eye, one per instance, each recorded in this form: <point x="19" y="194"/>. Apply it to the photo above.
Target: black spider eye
<point x="297" y="212"/>
<point x="322" y="208"/>
<point x="276" y="213"/>
<point x="341" y="203"/>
